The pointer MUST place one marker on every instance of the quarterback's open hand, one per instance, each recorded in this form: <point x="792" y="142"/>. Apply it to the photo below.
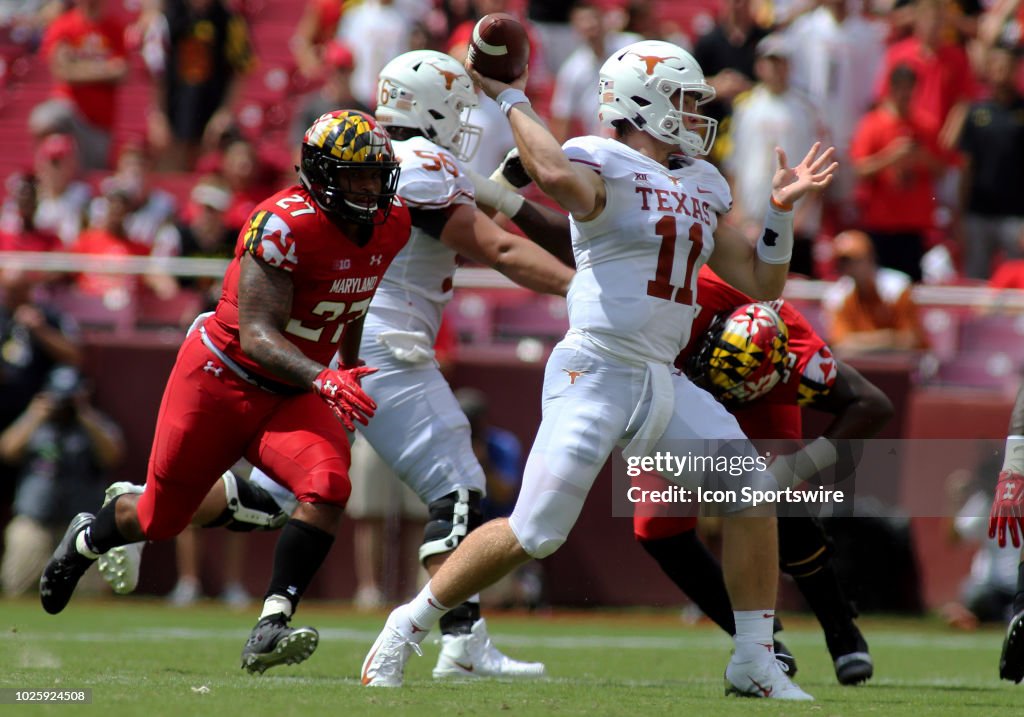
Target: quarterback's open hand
<point x="340" y="390"/>
<point x="813" y="174"/>
<point x="1008" y="509"/>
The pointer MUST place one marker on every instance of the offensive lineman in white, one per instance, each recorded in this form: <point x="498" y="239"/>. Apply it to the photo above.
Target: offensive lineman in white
<point x="419" y="429"/>
<point x="641" y="229"/>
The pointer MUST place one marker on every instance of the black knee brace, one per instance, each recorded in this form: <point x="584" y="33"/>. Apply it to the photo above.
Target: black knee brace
<point x="250" y="507"/>
<point x="452" y="517"/>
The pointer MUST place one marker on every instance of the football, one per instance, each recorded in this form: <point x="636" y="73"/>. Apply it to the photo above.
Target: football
<point x="499" y="48"/>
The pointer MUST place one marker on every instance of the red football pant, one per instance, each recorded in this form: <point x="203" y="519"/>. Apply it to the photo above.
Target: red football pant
<point x="759" y="421"/>
<point x="209" y="418"/>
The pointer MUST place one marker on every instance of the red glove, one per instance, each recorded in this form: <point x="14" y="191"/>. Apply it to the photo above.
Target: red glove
<point x="339" y="389"/>
<point x="1008" y="508"/>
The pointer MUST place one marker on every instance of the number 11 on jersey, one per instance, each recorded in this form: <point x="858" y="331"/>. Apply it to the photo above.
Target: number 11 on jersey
<point x="661" y="286"/>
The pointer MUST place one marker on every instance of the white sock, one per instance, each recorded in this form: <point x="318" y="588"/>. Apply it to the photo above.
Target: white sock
<point x="754" y="634"/>
<point x="425" y="610"/>
<point x="82" y="546"/>
<point x="275" y="604"/>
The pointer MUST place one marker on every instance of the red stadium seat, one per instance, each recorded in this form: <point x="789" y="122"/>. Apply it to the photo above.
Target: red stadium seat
<point x="176" y="312"/>
<point x="543" y="317"/>
<point x="96" y="312"/>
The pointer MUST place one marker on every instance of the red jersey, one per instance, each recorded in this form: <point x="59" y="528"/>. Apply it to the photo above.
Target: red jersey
<point x="102" y="242"/>
<point x="1008" y="275"/>
<point x="87" y="39"/>
<point x="943" y="77"/>
<point x="900" y="197"/>
<point x="334" y="278"/>
<point x="812" y="369"/>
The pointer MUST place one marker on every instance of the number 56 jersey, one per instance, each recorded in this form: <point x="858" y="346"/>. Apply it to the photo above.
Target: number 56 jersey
<point x="333" y="278"/>
<point x="637" y="261"/>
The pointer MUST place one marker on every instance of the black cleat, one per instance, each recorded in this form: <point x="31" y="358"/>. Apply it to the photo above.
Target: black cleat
<point x="785" y="658"/>
<point x="1011" y="662"/>
<point x="273" y="643"/>
<point x="851" y="659"/>
<point x="66" y="567"/>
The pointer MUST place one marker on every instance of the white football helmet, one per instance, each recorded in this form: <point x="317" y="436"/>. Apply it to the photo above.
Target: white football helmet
<point x="431" y="92"/>
<point x="644" y="83"/>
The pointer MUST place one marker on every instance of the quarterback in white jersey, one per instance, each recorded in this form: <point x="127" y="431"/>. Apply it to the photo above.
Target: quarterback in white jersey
<point x="643" y="221"/>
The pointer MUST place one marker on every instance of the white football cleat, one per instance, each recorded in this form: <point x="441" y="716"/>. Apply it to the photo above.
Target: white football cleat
<point x="761" y="678"/>
<point x="384" y="665"/>
<point x="120" y="566"/>
<point x="474" y="655"/>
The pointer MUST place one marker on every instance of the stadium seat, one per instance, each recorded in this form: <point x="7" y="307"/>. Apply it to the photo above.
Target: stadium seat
<point x="543" y="317"/>
<point x="101" y="313"/>
<point x="993" y="370"/>
<point x="941" y="326"/>
<point x="176" y="312"/>
<point x="1003" y="332"/>
<point x="472" y="318"/>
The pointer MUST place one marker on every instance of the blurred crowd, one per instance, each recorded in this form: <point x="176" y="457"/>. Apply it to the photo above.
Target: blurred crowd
<point x="922" y="99"/>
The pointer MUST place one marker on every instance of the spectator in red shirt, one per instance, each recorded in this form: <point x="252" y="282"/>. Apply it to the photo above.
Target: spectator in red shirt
<point x="895" y="156"/>
<point x="86" y="51"/>
<point x="317" y="25"/>
<point x="111" y="239"/>
<point x="18" y="231"/>
<point x="1009" y="275"/>
<point x="944" y="78"/>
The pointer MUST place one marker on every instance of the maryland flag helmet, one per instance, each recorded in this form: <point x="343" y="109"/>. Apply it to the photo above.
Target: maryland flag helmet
<point x="338" y="143"/>
<point x="742" y="355"/>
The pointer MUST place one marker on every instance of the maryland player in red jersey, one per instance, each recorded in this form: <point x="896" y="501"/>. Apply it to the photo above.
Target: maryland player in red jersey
<point x="254" y="381"/>
<point x="765" y="362"/>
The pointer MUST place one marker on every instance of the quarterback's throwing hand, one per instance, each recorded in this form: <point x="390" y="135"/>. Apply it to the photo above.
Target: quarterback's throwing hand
<point x="813" y="174"/>
<point x="1008" y="509"/>
<point x="339" y="389"/>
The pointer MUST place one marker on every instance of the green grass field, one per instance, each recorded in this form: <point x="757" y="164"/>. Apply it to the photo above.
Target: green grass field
<point x="142" y="658"/>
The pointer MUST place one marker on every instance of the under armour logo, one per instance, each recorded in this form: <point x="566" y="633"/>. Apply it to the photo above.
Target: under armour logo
<point x="1008" y="490"/>
<point x="769" y="237"/>
<point x="376" y="259"/>
<point x="330" y="388"/>
<point x="573" y="375"/>
<point x="213" y="368"/>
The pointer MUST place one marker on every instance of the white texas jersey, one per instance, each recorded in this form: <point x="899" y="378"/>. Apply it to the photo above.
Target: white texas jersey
<point x="418" y="283"/>
<point x="637" y="262"/>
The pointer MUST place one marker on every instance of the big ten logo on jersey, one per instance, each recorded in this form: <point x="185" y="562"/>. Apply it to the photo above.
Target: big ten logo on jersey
<point x="438" y="161"/>
<point x="328" y="312"/>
